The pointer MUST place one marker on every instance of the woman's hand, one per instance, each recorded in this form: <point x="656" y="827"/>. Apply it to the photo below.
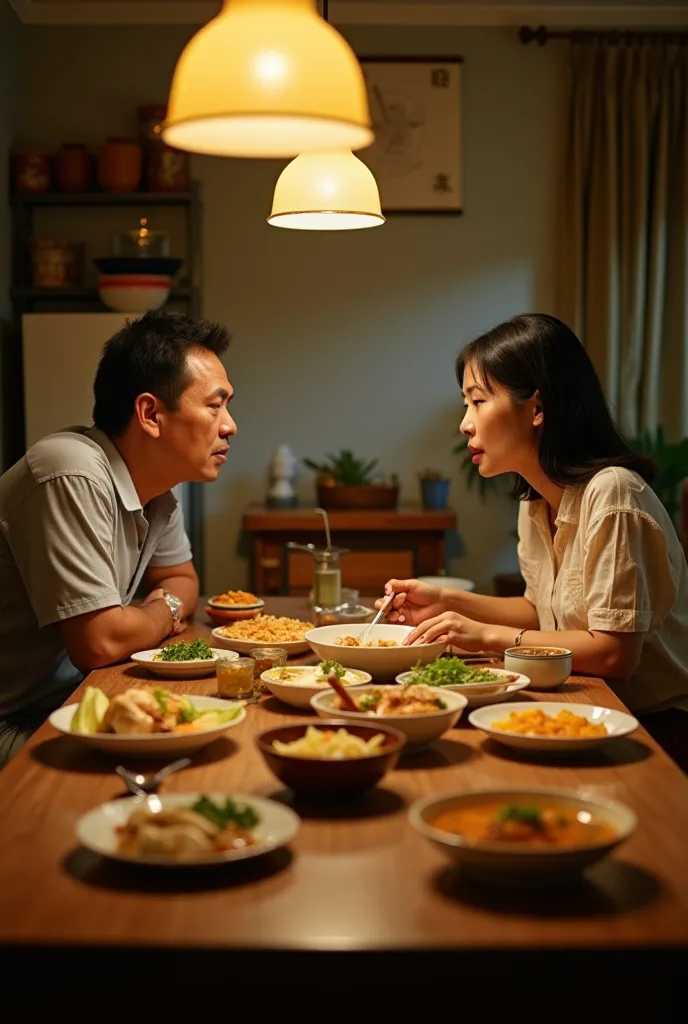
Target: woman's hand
<point x="453" y="629"/>
<point x="413" y="603"/>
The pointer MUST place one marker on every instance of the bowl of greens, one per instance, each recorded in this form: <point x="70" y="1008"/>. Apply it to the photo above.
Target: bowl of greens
<point x="480" y="685"/>
<point x="182" y="660"/>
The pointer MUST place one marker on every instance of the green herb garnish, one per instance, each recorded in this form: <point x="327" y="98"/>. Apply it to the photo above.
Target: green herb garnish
<point x="369" y="702"/>
<point x="332" y="668"/>
<point x="197" y="650"/>
<point x="451" y="672"/>
<point x="242" y="815"/>
<point x="525" y="815"/>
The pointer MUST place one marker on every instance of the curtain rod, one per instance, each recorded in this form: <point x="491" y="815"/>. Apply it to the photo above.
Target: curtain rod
<point x="613" y="37"/>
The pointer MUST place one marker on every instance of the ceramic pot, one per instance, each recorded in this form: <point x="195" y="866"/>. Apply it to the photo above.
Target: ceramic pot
<point x="363" y="496"/>
<point x="72" y="167"/>
<point x="119" y="165"/>
<point x="434" y="493"/>
<point x="31" y="170"/>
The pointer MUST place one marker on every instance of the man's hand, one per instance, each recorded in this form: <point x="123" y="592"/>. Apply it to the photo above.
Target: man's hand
<point x="159" y="595"/>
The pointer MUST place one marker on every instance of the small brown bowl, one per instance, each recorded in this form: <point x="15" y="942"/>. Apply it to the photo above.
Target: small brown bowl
<point x="221" y="616"/>
<point x="321" y="775"/>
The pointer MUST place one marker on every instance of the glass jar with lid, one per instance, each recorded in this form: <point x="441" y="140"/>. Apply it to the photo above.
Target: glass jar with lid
<point x="265" y="658"/>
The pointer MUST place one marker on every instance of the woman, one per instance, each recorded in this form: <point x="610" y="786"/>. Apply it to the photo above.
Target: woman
<point x="604" y="570"/>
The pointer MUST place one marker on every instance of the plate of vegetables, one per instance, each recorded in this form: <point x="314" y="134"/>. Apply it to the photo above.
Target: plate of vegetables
<point x="182" y="660"/>
<point x="479" y="685"/>
<point x="147" y="721"/>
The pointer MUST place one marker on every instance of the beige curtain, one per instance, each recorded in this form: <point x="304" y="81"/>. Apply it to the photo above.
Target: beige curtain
<point x="625" y="246"/>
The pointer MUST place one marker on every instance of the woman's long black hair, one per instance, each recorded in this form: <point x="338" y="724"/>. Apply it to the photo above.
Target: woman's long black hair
<point x="578" y="437"/>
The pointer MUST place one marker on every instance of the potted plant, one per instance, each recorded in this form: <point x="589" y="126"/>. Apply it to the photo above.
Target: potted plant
<point x="434" y="488"/>
<point x="345" y="481"/>
<point x="671" y="460"/>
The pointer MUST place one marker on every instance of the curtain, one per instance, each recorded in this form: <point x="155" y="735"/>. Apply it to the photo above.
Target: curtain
<point x="625" y="244"/>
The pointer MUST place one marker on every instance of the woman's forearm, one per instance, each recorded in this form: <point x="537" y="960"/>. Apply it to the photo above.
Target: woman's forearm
<point x="502" y="611"/>
<point x="612" y="655"/>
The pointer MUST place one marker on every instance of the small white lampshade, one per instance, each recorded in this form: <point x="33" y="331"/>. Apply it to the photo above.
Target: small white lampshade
<point x="330" y="191"/>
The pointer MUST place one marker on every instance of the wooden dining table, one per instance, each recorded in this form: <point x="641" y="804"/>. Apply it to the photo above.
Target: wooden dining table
<point x="357" y="884"/>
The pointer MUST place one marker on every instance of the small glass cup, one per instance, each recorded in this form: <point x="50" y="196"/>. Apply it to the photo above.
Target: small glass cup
<point x="263" y="659"/>
<point x="235" y="678"/>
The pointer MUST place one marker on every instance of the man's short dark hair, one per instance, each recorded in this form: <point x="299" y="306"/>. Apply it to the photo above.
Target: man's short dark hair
<point x="149" y="355"/>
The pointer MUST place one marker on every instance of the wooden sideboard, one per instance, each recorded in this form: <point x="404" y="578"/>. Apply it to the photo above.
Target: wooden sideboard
<point x="384" y="543"/>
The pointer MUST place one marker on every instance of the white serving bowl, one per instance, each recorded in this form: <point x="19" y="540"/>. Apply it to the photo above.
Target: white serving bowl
<point x="97" y="829"/>
<point x="298" y="691"/>
<point x="134" y="293"/>
<point x="381" y="662"/>
<point x="618" y="724"/>
<point x="192" y="669"/>
<point x="159" y="744"/>
<point x="418" y="729"/>
<point x="478" y="694"/>
<point x="502" y="863"/>
<point x="545" y="672"/>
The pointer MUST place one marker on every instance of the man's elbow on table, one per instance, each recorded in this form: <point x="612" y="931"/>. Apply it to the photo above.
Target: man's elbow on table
<point x="109" y="635"/>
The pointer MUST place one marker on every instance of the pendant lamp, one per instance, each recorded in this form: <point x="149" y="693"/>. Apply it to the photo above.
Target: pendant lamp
<point x="328" y="190"/>
<point x="267" y="78"/>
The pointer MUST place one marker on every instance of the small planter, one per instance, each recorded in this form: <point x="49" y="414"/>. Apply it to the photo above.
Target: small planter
<point x="363" y="496"/>
<point x="434" y="493"/>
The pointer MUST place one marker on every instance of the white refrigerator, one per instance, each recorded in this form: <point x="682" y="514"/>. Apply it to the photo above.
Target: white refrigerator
<point x="60" y="356"/>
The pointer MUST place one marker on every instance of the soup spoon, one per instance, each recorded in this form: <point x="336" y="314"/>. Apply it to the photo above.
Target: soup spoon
<point x="139" y="784"/>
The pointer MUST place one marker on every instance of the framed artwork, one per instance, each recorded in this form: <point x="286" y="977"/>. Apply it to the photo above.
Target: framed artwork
<point x="415" y="104"/>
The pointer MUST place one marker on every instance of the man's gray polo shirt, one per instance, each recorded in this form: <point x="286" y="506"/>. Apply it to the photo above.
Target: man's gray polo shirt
<point x="73" y="539"/>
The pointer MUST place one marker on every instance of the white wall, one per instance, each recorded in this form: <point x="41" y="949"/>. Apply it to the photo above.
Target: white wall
<point x="349" y="339"/>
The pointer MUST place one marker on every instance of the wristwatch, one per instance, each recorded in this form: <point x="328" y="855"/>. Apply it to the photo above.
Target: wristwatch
<point x="175" y="604"/>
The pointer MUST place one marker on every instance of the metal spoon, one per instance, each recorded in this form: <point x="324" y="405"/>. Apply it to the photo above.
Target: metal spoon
<point x="138" y="784"/>
<point x="383" y="609"/>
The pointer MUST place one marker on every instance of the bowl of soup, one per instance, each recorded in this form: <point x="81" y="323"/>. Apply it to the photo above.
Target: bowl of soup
<point x="546" y="667"/>
<point x="532" y="834"/>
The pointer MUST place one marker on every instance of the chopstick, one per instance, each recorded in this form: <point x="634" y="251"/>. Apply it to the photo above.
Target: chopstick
<point x="339" y="688"/>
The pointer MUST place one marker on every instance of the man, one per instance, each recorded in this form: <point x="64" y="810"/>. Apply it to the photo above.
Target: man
<point x="87" y="516"/>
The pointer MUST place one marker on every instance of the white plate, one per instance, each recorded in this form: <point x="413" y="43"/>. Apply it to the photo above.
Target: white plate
<point x="618" y="723"/>
<point x="381" y="662"/>
<point x="418" y="729"/>
<point x="480" y="694"/>
<point x="246" y="646"/>
<point x="193" y="669"/>
<point x="297" y="692"/>
<point x="160" y="744"/>
<point x="96" y="830"/>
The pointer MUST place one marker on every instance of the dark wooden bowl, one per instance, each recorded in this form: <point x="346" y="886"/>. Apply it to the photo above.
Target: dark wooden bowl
<point x="363" y="496"/>
<point x="308" y="774"/>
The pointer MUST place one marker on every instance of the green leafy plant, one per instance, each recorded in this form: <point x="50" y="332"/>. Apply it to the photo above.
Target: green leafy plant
<point x="344" y="468"/>
<point x="432" y="474"/>
<point x="671" y="459"/>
